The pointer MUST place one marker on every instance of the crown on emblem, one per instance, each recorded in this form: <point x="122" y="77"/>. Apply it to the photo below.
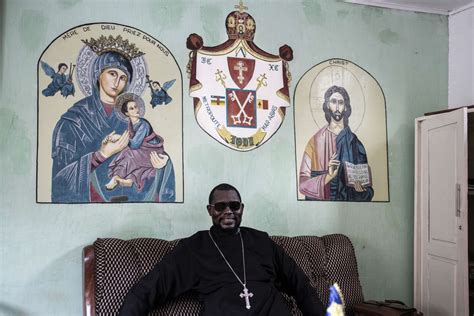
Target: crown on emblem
<point x="113" y="44"/>
<point x="240" y="24"/>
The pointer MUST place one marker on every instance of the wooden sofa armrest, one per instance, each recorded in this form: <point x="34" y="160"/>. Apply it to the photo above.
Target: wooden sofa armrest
<point x="88" y="264"/>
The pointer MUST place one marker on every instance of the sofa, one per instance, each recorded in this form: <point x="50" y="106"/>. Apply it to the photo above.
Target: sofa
<point x="112" y="266"/>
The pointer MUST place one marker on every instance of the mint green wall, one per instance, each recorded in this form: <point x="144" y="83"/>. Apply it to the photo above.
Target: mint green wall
<point x="40" y="245"/>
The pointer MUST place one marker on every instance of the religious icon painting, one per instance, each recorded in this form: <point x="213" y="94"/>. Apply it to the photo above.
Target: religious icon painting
<point x="109" y="118"/>
<point x="340" y="134"/>
<point x="240" y="91"/>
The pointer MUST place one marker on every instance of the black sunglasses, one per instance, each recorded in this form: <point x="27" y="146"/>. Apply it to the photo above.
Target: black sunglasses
<point x="221" y="206"/>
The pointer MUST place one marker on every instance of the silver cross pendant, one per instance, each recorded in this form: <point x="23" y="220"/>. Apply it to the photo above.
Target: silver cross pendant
<point x="247" y="296"/>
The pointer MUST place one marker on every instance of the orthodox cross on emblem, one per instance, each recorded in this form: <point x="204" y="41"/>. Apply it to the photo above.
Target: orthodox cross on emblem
<point x="240" y="91"/>
<point x="241" y="68"/>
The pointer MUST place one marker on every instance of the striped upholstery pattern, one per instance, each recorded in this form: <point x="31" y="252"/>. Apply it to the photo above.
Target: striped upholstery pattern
<point x="121" y="263"/>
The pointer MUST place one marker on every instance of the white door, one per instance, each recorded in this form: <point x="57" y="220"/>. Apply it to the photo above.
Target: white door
<point x="441" y="222"/>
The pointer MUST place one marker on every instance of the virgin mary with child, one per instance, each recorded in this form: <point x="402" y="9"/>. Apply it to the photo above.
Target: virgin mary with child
<point x="93" y="131"/>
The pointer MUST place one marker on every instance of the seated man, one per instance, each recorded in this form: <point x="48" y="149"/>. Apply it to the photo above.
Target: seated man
<point x="236" y="270"/>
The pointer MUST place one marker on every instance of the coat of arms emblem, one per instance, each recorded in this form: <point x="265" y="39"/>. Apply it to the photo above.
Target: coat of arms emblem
<point x="240" y="91"/>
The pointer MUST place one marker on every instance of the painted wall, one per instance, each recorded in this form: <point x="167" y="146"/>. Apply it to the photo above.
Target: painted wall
<point x="40" y="245"/>
<point x="461" y="57"/>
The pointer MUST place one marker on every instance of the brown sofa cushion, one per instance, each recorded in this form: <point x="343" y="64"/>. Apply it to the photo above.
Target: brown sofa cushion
<point x="119" y="264"/>
<point x="341" y="267"/>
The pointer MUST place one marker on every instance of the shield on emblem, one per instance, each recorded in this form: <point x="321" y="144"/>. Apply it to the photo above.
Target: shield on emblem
<point x="241" y="70"/>
<point x="241" y="109"/>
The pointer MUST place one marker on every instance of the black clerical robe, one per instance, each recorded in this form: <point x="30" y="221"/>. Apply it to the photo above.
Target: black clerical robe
<point x="195" y="264"/>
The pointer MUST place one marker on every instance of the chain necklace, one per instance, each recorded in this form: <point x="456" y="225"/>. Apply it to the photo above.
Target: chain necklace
<point x="246" y="294"/>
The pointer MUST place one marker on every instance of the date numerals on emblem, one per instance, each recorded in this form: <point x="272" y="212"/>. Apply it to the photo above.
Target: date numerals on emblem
<point x="206" y="60"/>
<point x="273" y="67"/>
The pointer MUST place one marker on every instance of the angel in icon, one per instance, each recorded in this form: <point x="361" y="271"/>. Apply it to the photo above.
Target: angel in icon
<point x="159" y="93"/>
<point x="61" y="81"/>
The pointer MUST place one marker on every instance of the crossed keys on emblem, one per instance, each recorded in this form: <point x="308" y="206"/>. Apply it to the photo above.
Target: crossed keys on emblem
<point x="236" y="118"/>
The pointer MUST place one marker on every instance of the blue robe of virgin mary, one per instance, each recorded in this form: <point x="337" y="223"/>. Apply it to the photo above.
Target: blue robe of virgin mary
<point x="78" y="135"/>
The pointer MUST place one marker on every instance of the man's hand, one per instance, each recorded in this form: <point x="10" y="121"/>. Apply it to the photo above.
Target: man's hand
<point x="113" y="144"/>
<point x="333" y="168"/>
<point x="157" y="160"/>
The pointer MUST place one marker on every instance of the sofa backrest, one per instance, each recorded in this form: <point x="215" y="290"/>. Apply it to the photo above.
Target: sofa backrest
<point x="112" y="266"/>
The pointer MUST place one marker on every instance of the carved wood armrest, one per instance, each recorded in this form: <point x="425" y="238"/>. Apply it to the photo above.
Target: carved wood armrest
<point x="88" y="264"/>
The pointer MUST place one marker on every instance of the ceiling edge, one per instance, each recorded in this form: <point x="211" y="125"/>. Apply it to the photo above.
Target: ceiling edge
<point x="397" y="6"/>
<point x="461" y="9"/>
